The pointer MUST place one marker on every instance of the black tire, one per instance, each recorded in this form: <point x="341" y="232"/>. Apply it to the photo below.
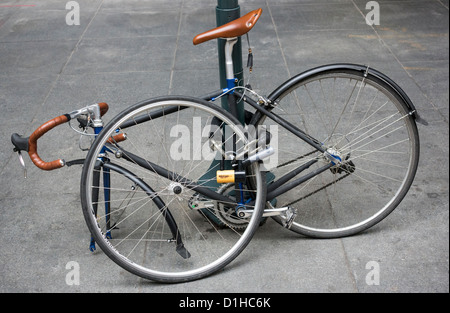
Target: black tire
<point x="379" y="151"/>
<point x="141" y="228"/>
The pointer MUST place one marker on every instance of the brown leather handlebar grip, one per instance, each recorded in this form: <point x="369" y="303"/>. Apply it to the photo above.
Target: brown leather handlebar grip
<point x="117" y="138"/>
<point x="38" y="133"/>
<point x="103" y="108"/>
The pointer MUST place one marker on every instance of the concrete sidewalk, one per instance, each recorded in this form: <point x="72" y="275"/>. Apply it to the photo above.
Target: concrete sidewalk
<point x="125" y="51"/>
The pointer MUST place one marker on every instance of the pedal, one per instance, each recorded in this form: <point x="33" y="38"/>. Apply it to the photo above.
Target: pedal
<point x="288" y="217"/>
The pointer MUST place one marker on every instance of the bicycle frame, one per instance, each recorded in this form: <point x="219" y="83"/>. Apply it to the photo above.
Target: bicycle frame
<point x="274" y="189"/>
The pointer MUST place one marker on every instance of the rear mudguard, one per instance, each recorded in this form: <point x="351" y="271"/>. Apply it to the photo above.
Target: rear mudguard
<point x="366" y="70"/>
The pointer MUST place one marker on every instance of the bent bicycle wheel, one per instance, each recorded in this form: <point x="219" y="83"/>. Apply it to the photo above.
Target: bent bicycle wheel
<point x="148" y="194"/>
<point x="367" y="128"/>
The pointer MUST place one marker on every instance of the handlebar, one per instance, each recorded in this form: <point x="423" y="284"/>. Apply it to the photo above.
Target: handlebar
<point x="30" y="144"/>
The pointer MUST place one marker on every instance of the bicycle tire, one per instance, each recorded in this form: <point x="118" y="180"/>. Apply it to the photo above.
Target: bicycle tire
<point x="138" y="237"/>
<point x="379" y="115"/>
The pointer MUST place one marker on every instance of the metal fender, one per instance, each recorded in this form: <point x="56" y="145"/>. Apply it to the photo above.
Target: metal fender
<point x="364" y="69"/>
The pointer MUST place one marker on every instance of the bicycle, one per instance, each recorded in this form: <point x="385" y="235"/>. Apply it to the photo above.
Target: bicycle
<point x="184" y="184"/>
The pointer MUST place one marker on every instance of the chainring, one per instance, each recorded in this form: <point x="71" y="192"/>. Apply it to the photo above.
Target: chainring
<point x="228" y="214"/>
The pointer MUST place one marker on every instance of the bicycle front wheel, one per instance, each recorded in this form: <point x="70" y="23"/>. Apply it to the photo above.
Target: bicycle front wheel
<point x="149" y="194"/>
<point x="366" y="127"/>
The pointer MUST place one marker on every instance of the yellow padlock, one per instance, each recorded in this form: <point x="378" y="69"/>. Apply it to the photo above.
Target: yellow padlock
<point x="225" y="177"/>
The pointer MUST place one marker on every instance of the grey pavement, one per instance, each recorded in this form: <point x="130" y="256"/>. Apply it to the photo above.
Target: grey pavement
<point x="125" y="51"/>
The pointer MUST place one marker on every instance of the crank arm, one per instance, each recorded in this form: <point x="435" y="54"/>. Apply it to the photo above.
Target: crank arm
<point x="267" y="212"/>
<point x="275" y="211"/>
<point x="287" y="214"/>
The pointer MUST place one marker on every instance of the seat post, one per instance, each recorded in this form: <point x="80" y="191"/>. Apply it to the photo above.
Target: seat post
<point x="229" y="67"/>
<point x="228" y="11"/>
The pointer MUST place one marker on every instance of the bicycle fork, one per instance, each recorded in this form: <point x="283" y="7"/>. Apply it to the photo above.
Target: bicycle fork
<point x="104" y="166"/>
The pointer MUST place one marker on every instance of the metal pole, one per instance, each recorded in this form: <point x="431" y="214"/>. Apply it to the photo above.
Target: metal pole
<point x="227" y="11"/>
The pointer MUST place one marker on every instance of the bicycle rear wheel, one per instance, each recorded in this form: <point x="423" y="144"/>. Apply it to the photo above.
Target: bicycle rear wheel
<point x="145" y="199"/>
<point x="363" y="122"/>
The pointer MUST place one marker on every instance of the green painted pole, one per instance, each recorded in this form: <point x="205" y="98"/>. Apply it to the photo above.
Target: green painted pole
<point x="227" y="11"/>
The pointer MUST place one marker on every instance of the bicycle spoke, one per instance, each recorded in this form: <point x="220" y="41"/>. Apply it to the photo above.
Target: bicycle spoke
<point x="164" y="165"/>
<point x="371" y="139"/>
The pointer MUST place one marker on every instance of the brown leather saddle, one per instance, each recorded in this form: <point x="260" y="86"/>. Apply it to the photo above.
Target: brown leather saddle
<point x="235" y="28"/>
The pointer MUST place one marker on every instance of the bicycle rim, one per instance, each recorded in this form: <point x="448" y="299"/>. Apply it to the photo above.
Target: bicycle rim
<point x="157" y="226"/>
<point x="364" y="124"/>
